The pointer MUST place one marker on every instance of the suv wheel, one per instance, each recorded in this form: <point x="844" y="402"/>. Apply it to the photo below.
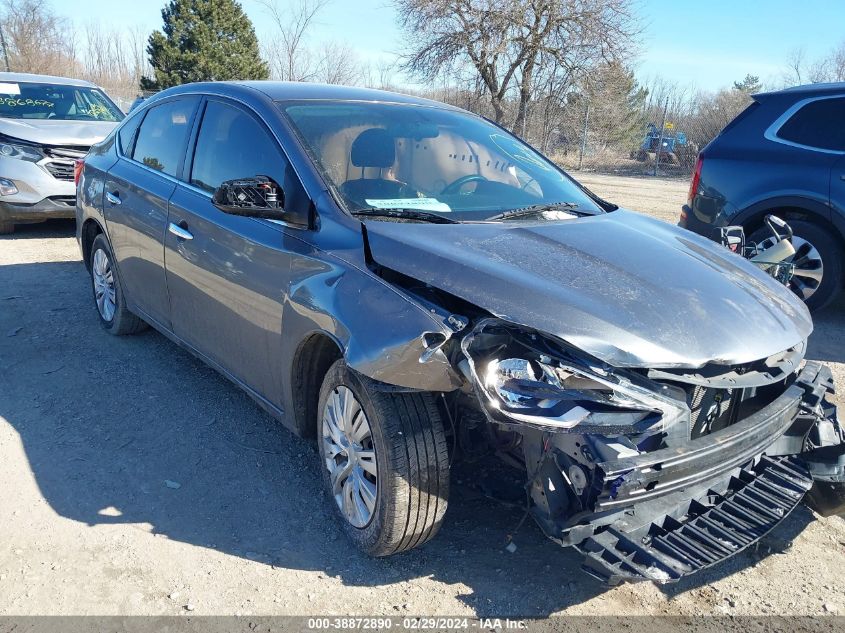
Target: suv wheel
<point x="817" y="277"/>
<point x="6" y="227"/>
<point x="108" y="293"/>
<point x="385" y="462"/>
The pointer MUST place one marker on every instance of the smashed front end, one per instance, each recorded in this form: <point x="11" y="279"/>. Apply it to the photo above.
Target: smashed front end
<point x="654" y="474"/>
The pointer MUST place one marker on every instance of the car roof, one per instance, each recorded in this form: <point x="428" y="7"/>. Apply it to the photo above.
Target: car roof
<point x="807" y="90"/>
<point x="293" y="90"/>
<point x="44" y="79"/>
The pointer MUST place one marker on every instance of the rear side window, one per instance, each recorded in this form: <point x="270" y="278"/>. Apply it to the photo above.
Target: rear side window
<point x="161" y="139"/>
<point x="232" y="144"/>
<point x="818" y="124"/>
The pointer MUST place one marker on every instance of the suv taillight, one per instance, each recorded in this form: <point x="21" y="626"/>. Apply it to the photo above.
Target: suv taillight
<point x="77" y="170"/>
<point x="696" y="179"/>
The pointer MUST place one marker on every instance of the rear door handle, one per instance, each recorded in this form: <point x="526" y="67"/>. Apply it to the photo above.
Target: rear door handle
<point x="179" y="232"/>
<point x="842" y="177"/>
<point x="113" y="198"/>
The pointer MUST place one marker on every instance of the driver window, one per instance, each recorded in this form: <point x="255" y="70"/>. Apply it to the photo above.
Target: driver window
<point x="232" y="144"/>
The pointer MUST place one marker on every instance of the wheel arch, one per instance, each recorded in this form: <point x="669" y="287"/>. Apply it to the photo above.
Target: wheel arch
<point x="312" y="359"/>
<point x="89" y="232"/>
<point x="790" y="208"/>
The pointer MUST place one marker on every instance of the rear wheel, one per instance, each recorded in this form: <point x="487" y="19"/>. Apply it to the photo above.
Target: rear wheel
<point x="6" y="227"/>
<point x="385" y="462"/>
<point x="817" y="277"/>
<point x="108" y="292"/>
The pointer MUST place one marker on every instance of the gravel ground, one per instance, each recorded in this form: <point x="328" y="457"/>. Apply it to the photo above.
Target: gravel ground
<point x="135" y="480"/>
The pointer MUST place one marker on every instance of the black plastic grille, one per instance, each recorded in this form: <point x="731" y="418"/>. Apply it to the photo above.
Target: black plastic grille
<point x="712" y="529"/>
<point x="60" y="171"/>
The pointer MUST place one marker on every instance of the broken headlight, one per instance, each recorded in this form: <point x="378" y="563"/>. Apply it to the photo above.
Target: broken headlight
<point x="529" y="378"/>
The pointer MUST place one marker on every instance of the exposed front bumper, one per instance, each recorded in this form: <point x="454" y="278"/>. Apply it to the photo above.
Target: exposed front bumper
<point x="46" y="209"/>
<point x="663" y="514"/>
<point x="777" y="429"/>
<point x="41" y="195"/>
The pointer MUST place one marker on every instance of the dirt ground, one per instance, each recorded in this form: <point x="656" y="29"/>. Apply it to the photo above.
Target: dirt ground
<point x="135" y="480"/>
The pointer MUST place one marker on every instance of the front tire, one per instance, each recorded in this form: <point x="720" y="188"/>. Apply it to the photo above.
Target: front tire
<point x="817" y="278"/>
<point x="385" y="462"/>
<point x="115" y="317"/>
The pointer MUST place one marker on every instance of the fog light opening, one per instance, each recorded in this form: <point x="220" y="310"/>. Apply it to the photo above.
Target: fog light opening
<point x="7" y="187"/>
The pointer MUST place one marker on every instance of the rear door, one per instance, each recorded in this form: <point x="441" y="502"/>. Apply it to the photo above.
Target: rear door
<point x="227" y="274"/>
<point x="135" y="200"/>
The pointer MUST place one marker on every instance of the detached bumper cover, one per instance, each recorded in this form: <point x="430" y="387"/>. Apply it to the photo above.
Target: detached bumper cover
<point x="709" y="531"/>
<point x="683" y="509"/>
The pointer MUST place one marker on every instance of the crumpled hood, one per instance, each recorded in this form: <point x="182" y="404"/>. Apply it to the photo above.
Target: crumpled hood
<point x="50" y="132"/>
<point x="630" y="290"/>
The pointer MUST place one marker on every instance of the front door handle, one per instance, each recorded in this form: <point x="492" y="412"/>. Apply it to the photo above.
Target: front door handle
<point x="179" y="232"/>
<point x="113" y="198"/>
<point x="842" y="177"/>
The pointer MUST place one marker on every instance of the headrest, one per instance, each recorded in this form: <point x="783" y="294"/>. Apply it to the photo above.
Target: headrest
<point x="373" y="148"/>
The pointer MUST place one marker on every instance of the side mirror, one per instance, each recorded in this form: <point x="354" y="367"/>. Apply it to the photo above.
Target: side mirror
<point x="258" y="197"/>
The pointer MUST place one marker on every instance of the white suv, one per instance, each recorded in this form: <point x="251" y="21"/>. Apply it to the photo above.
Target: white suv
<point x="46" y="123"/>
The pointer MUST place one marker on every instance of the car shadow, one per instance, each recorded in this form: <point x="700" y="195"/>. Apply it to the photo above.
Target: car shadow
<point x="827" y="342"/>
<point x="42" y="230"/>
<point x="135" y="430"/>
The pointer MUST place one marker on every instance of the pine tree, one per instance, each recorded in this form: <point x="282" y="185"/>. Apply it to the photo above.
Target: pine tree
<point x="616" y="104"/>
<point x="749" y="85"/>
<point x="203" y="40"/>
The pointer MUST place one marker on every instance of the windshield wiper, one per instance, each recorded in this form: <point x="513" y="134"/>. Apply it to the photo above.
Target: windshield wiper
<point x="538" y="209"/>
<point x="409" y="214"/>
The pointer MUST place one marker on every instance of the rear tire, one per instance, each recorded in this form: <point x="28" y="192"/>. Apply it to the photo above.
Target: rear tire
<point x="816" y="295"/>
<point x="6" y="227"/>
<point x="115" y="317"/>
<point x="405" y="433"/>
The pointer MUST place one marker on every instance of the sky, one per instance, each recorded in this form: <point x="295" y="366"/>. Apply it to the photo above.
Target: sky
<point x="707" y="44"/>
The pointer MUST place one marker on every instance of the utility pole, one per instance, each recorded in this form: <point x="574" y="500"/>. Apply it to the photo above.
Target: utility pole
<point x="5" y="52"/>
<point x="660" y="140"/>
<point x="584" y="136"/>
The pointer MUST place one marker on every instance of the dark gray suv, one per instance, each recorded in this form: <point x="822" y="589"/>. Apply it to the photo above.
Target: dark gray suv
<point x="409" y="284"/>
<point x="784" y="154"/>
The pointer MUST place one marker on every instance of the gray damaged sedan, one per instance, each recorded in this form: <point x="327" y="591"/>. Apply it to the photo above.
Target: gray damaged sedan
<point x="408" y="283"/>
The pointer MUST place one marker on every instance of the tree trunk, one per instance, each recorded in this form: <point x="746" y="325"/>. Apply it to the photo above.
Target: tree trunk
<point x="525" y="89"/>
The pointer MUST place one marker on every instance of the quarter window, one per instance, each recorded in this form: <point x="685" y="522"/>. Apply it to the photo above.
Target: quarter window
<point x="818" y="124"/>
<point x="126" y="134"/>
<point x="164" y="131"/>
<point x="232" y="144"/>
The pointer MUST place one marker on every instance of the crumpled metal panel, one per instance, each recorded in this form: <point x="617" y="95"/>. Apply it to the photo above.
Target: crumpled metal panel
<point x="631" y="291"/>
<point x="380" y="330"/>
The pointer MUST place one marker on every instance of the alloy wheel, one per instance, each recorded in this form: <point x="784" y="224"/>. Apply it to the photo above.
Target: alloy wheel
<point x="104" y="288"/>
<point x="809" y="267"/>
<point x="350" y="456"/>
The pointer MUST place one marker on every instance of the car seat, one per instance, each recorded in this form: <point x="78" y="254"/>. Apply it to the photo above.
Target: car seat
<point x="374" y="148"/>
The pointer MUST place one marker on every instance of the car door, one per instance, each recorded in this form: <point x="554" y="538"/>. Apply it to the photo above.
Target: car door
<point x="228" y="274"/>
<point x="137" y="191"/>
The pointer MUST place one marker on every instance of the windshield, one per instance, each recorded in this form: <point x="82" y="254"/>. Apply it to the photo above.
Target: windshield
<point x="55" y="102"/>
<point x="428" y="159"/>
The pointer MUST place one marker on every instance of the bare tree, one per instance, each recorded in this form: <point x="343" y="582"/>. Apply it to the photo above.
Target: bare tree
<point x="378" y="76"/>
<point x="510" y="44"/>
<point x="796" y="67"/>
<point x="289" y="57"/>
<point x="339" y="64"/>
<point x="37" y="40"/>
<point x="829" y="68"/>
